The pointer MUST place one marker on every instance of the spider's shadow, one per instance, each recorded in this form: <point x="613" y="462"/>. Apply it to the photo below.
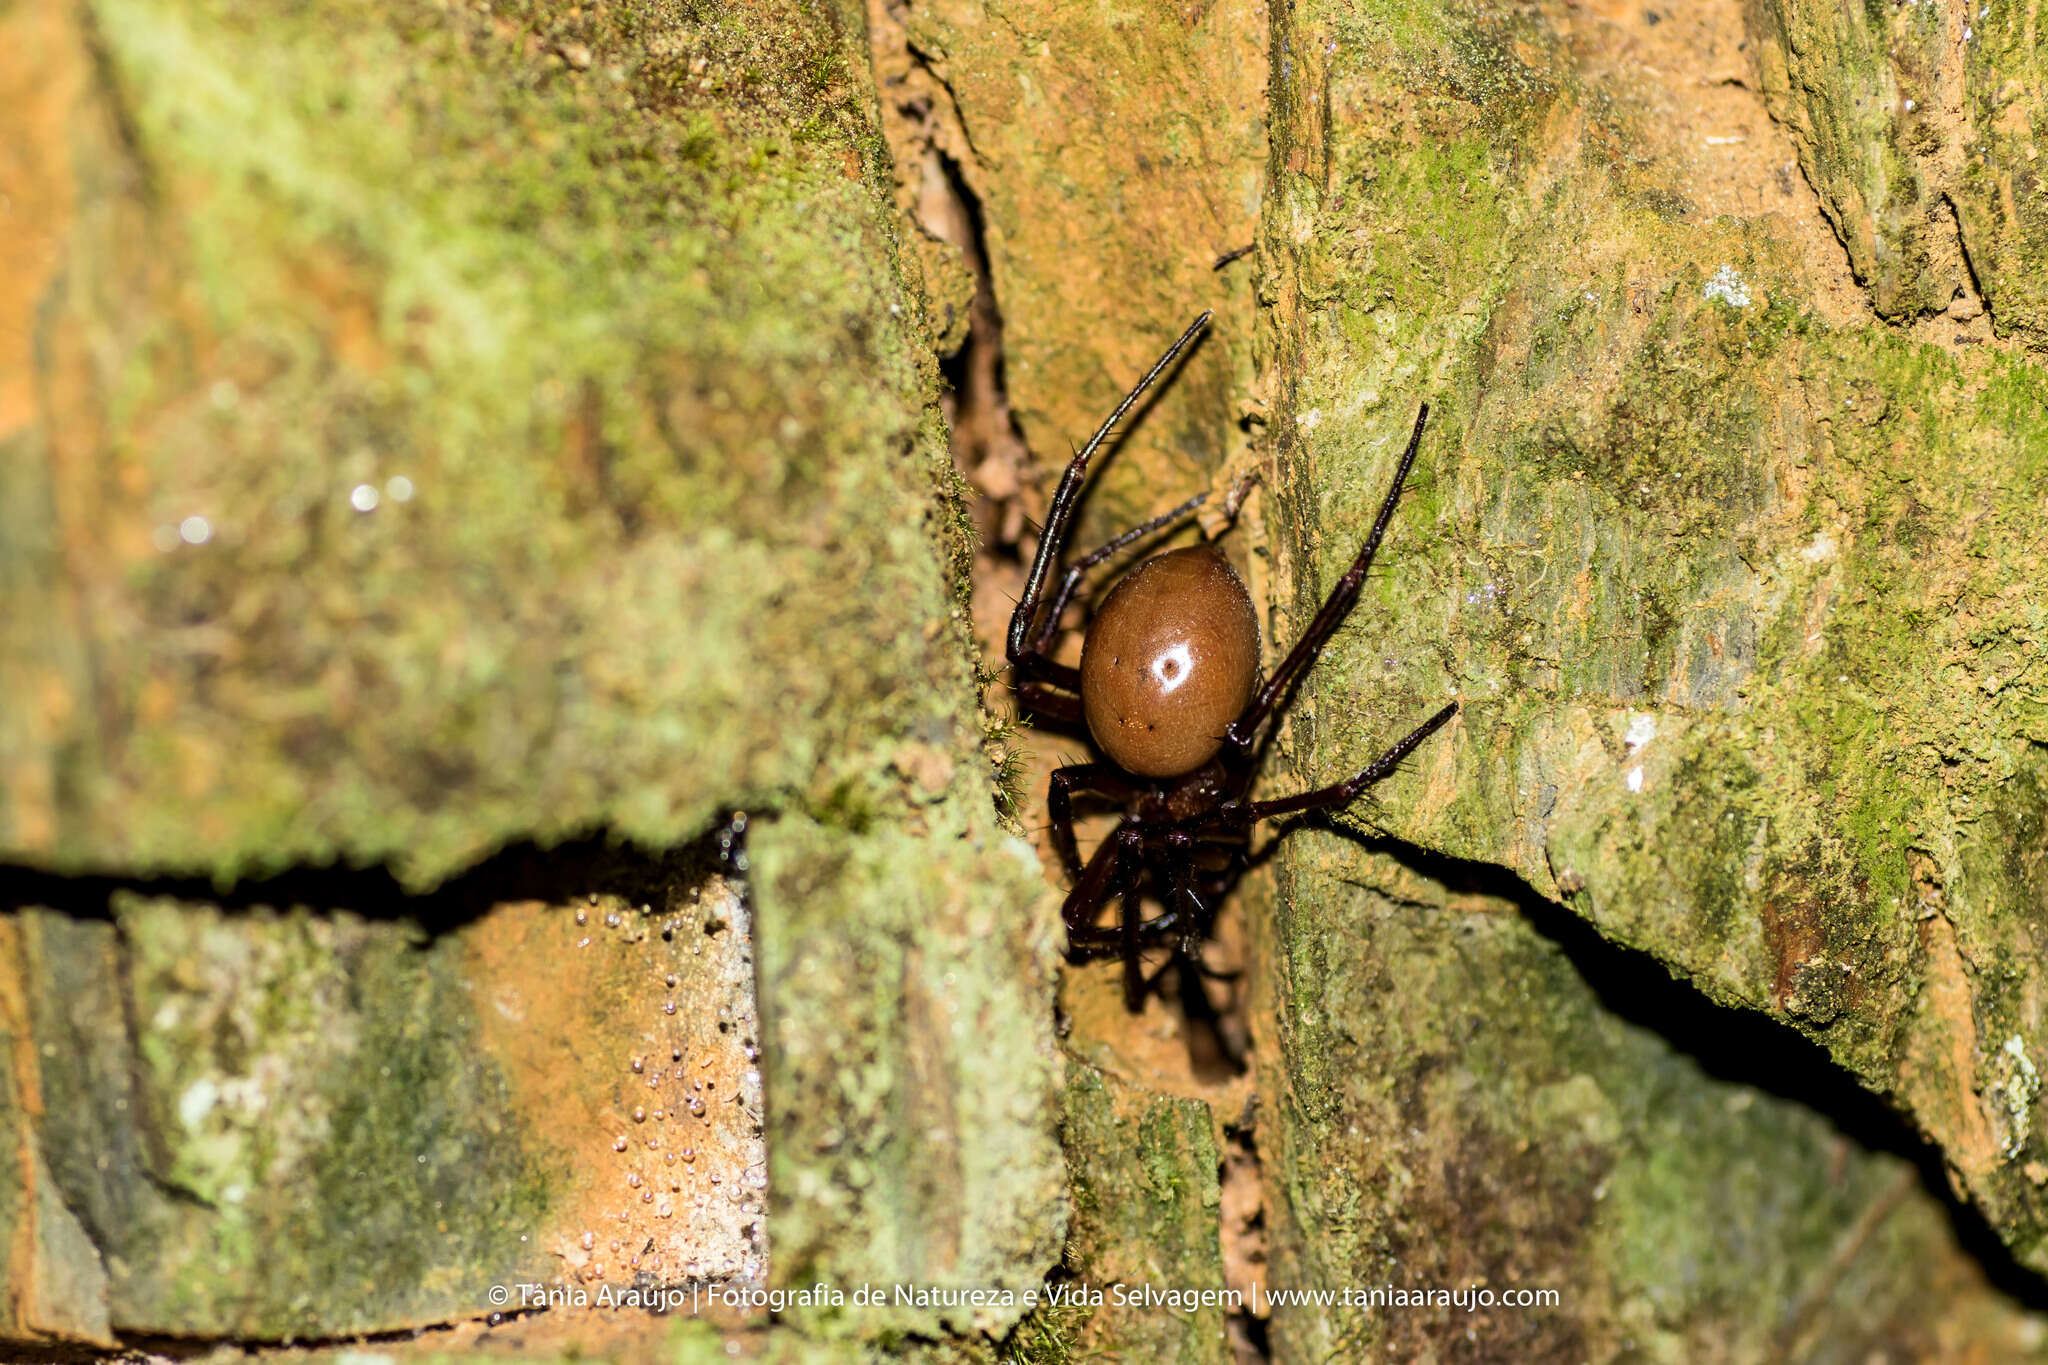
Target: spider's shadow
<point x="1735" y="1046"/>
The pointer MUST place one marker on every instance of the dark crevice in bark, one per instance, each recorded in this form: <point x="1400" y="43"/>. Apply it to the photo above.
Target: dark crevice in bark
<point x="593" y="866"/>
<point x="1976" y="283"/>
<point x="1733" y="1045"/>
<point x="988" y="448"/>
<point x="1241" y="1205"/>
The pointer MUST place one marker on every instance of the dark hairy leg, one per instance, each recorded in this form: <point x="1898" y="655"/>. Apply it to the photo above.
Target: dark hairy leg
<point x="1108" y="869"/>
<point x="1042" y="700"/>
<point x="1103" y="779"/>
<point x="1049" y="626"/>
<point x="1026" y="635"/>
<point x="1244" y="730"/>
<point x="1339" y="793"/>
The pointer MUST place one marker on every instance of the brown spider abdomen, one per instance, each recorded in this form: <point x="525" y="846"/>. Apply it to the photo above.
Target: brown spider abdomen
<point x="1170" y="661"/>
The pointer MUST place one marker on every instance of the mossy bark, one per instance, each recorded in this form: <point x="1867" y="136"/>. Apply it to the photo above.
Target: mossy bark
<point x="1733" y="582"/>
<point x="427" y="432"/>
<point x="1737" y="599"/>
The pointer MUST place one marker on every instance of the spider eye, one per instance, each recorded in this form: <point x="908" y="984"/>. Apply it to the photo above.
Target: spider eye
<point x="1171" y="669"/>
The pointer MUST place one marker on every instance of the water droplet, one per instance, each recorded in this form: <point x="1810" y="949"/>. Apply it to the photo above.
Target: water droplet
<point x="690" y="1154"/>
<point x="611" y="920"/>
<point x="583" y="917"/>
<point x="663" y="1209"/>
<point x="639" y="1114"/>
<point x="638" y="1066"/>
<point x="620" y="1144"/>
<point x="363" y="497"/>
<point x="195" y="530"/>
<point x="633" y="1180"/>
<point x="668" y="1007"/>
<point x="671" y="979"/>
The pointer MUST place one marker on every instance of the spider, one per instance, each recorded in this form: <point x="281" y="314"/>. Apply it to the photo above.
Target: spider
<point x="1168" y="688"/>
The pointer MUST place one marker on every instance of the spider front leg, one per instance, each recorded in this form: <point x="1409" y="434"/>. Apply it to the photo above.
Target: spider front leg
<point x="1052" y="690"/>
<point x="1244" y="730"/>
<point x="1102" y="779"/>
<point x="1031" y="631"/>
<point x="1244" y="814"/>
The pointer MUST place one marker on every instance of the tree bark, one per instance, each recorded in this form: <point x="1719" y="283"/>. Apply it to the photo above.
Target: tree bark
<point x="455" y="459"/>
<point x="447" y="452"/>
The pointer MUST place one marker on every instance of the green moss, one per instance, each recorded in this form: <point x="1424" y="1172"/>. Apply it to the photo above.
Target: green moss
<point x="1143" y="1169"/>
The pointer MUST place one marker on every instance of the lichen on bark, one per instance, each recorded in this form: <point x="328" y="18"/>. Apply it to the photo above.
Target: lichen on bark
<point x="1734" y="594"/>
<point x="430" y="431"/>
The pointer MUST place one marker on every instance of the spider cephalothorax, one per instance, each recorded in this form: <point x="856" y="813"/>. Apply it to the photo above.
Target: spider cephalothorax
<point x="1169" y="688"/>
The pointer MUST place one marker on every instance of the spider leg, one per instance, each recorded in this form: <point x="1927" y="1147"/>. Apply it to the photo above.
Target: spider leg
<point x="1041" y="700"/>
<point x="1026" y="633"/>
<point x="1038" y="695"/>
<point x="1107" y="873"/>
<point x="1095" y="942"/>
<point x="1128" y="922"/>
<point x="1340" y="793"/>
<point x="1335" y="608"/>
<point x="1180" y="847"/>
<point x="1049" y="625"/>
<point x="1099" y="778"/>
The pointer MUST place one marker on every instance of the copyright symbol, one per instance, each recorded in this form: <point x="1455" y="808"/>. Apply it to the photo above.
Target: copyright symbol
<point x="500" y="1295"/>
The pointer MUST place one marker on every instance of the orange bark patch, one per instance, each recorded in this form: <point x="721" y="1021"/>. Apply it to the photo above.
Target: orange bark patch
<point x="629" y="1038"/>
<point x="1939" y="1073"/>
<point x="42" y="73"/>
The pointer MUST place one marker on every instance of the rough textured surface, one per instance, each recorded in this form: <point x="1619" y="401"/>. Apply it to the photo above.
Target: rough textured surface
<point x="255" y="1123"/>
<point x="424" y="431"/>
<point x="605" y="311"/>
<point x="232" y="1160"/>
<point x="1146" y="1204"/>
<point x="900" y="1078"/>
<point x="1470" y="1104"/>
<point x="1920" y="125"/>
<point x="1738" y="599"/>
<point x="1115" y="152"/>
